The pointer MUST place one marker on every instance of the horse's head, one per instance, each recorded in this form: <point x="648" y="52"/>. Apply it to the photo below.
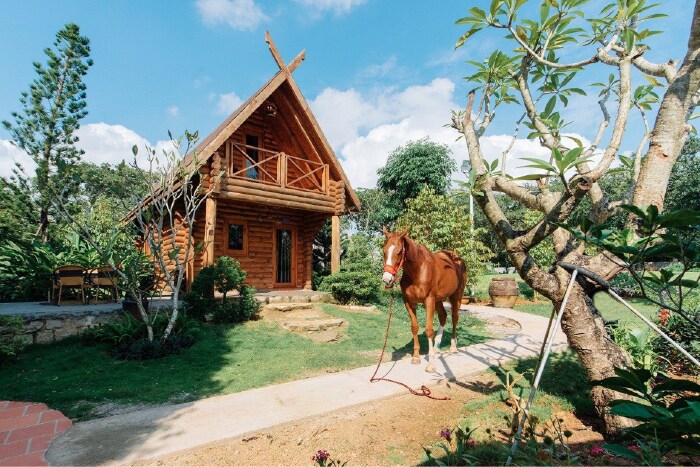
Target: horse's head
<point x="394" y="254"/>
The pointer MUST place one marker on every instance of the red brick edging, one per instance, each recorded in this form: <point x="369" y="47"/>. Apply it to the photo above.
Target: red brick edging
<point x="26" y="431"/>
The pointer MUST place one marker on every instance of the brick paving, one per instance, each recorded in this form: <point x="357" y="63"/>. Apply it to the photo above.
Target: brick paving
<point x="26" y="431"/>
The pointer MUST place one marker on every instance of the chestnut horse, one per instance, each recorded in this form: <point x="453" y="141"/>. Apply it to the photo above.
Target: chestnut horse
<point x="428" y="278"/>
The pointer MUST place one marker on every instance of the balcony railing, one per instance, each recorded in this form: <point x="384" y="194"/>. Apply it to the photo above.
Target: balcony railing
<point x="281" y="169"/>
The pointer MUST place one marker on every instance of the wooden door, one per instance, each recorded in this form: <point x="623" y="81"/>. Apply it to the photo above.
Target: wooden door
<point x="285" y="257"/>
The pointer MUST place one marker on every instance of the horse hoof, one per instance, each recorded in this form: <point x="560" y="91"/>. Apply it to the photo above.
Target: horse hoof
<point x="430" y="369"/>
<point x="453" y="349"/>
<point x="415" y="361"/>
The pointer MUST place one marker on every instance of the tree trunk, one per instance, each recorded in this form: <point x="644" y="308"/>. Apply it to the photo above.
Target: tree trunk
<point x="43" y="229"/>
<point x="585" y="329"/>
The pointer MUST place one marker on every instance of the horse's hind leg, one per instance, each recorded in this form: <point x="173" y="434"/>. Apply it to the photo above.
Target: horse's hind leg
<point x="455" y="302"/>
<point x="442" y="318"/>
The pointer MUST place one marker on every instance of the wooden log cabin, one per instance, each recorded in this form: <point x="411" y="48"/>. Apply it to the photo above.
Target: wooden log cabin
<point x="280" y="182"/>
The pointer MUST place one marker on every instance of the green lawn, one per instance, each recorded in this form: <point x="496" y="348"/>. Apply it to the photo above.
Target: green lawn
<point x="610" y="308"/>
<point x="75" y="378"/>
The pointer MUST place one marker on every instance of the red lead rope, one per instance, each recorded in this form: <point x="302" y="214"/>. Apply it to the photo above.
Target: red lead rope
<point x="424" y="391"/>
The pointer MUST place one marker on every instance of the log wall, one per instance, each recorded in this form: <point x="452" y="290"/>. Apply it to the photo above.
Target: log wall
<point x="258" y="259"/>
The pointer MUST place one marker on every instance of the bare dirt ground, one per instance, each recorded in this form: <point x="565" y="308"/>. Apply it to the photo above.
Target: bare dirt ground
<point x="386" y="432"/>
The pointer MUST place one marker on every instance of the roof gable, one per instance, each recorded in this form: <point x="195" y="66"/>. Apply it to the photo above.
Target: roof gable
<point x="282" y="86"/>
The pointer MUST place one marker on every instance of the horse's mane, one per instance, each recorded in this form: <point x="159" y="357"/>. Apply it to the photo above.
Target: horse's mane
<point x="416" y="252"/>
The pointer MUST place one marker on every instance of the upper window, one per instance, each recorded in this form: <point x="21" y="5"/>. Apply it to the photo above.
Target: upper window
<point x="253" y="155"/>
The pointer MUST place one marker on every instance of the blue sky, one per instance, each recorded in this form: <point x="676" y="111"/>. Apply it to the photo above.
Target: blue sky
<point x="378" y="72"/>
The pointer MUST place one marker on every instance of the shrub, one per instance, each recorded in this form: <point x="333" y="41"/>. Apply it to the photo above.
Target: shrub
<point x="239" y="309"/>
<point x="640" y="344"/>
<point x="127" y="338"/>
<point x="228" y="275"/>
<point x="359" y="277"/>
<point x="11" y="341"/>
<point x="683" y="333"/>
<point x="624" y="285"/>
<point x="200" y="300"/>
<point x="224" y="276"/>
<point x="668" y="414"/>
<point x="123" y="329"/>
<point x="353" y="284"/>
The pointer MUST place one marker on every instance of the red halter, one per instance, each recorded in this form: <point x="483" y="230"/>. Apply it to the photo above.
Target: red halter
<point x="393" y="270"/>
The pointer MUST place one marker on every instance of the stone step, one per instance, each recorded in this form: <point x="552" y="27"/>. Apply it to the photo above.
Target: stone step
<point x="285" y="307"/>
<point x="316" y="325"/>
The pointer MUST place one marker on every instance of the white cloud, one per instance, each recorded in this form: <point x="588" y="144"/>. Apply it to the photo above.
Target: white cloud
<point x="227" y="103"/>
<point x="243" y="15"/>
<point x="338" y="7"/>
<point x="201" y="81"/>
<point x="102" y="143"/>
<point x="9" y="156"/>
<point x="364" y="130"/>
<point x="174" y="110"/>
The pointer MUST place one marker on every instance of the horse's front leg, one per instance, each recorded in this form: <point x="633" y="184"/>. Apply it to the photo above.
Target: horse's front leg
<point x="411" y="308"/>
<point x="430" y="312"/>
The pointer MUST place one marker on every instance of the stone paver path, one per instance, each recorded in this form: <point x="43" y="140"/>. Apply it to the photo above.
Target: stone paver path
<point x="26" y="431"/>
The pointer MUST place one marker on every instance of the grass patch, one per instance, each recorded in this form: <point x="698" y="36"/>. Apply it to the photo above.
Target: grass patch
<point x="570" y="394"/>
<point x="489" y="412"/>
<point x="609" y="308"/>
<point x="75" y="379"/>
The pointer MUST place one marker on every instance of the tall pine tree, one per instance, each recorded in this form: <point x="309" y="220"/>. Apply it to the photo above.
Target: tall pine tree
<point x="50" y="115"/>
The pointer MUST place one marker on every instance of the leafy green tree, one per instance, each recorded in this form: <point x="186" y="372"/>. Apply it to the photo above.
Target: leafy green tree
<point x="375" y="212"/>
<point x="439" y="223"/>
<point x="322" y="246"/>
<point x="411" y="167"/>
<point x="534" y="75"/>
<point x="50" y="115"/>
<point x="684" y="185"/>
<point x="121" y="184"/>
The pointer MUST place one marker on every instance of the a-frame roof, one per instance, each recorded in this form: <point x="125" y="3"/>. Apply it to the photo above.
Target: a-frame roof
<point x="206" y="149"/>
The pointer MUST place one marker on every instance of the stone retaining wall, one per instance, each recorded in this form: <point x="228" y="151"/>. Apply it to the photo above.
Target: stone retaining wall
<point x="50" y="328"/>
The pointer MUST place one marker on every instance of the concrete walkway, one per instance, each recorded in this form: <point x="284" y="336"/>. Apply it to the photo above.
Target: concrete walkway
<point x="168" y="429"/>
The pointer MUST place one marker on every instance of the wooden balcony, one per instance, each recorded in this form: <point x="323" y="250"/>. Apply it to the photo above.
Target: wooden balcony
<point x="277" y="178"/>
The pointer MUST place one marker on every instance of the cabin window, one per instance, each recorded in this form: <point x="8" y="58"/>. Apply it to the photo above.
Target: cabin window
<point x="253" y="155"/>
<point x="237" y="236"/>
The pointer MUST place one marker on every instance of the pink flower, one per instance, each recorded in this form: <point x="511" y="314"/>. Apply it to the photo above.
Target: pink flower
<point x="447" y="434"/>
<point x="634" y="447"/>
<point x="597" y="451"/>
<point x="321" y="456"/>
<point x="471" y="443"/>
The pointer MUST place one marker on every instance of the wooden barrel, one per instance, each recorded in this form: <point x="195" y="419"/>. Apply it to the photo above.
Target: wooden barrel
<point x="503" y="292"/>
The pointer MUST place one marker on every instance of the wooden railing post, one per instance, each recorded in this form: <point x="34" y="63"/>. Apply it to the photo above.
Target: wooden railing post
<point x="325" y="179"/>
<point x="283" y="171"/>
